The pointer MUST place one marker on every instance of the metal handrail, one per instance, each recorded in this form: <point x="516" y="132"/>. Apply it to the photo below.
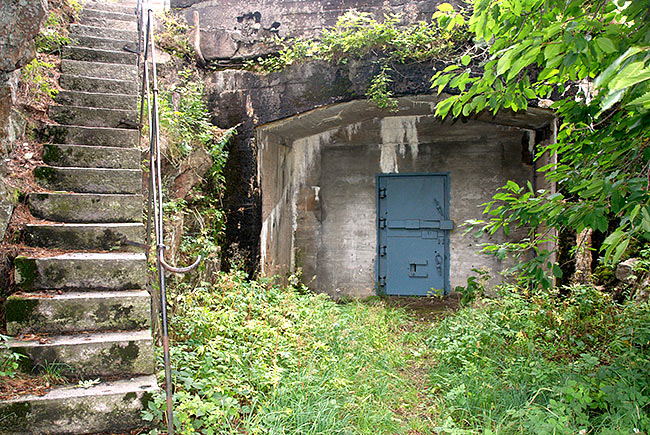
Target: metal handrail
<point x="149" y="93"/>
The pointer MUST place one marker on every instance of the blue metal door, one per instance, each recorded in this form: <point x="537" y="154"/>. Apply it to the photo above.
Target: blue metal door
<point x="413" y="234"/>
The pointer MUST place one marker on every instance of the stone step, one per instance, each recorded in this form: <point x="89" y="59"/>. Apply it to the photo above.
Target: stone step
<point x="122" y="7"/>
<point x="89" y="180"/>
<point x="99" y="100"/>
<point x="109" y="23"/>
<point x="72" y="134"/>
<point x="109" y="407"/>
<point x="98" y="55"/>
<point x="115" y="71"/>
<point x="101" y="32"/>
<point x="78" y="311"/>
<point x="94" y="117"/>
<point x="102" y="43"/>
<point x="90" y="355"/>
<point x="85" y="156"/>
<point x="94" y="84"/>
<point x="81" y="271"/>
<point x="86" y="207"/>
<point x="98" y="237"/>
<point x="107" y="14"/>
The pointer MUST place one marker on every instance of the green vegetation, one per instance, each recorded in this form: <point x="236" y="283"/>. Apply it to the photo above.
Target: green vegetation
<point x="185" y="123"/>
<point x="9" y="361"/>
<point x="543" y="363"/>
<point x="389" y="42"/>
<point x="593" y="59"/>
<point x="175" y="37"/>
<point x="258" y="357"/>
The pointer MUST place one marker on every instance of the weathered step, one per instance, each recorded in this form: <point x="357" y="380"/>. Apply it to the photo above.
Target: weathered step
<point x="100" y="100"/>
<point x="102" y="43"/>
<point x="89" y="355"/>
<point x="86" y="156"/>
<point x="81" y="271"/>
<point x="94" y="117"/>
<point x="97" y="55"/>
<point x="89" y="180"/>
<point x="121" y="7"/>
<point x="86" y="207"/>
<point x="109" y="407"/>
<point x="102" y="32"/>
<point x="111" y="137"/>
<point x="98" y="237"/>
<point x="94" y="84"/>
<point x="115" y="71"/>
<point x="110" y="23"/>
<point x="78" y="311"/>
<point x="107" y="14"/>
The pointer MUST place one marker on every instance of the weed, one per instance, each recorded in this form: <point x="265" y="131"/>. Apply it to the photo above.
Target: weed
<point x="175" y="37"/>
<point x="544" y="363"/>
<point x="9" y="360"/>
<point x="257" y="357"/>
<point x="39" y="79"/>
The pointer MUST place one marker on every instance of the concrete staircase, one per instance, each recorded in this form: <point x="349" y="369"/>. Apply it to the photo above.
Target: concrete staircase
<point x="87" y="307"/>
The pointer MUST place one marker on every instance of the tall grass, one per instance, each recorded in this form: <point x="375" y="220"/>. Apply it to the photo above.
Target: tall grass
<point x="544" y="364"/>
<point x="256" y="357"/>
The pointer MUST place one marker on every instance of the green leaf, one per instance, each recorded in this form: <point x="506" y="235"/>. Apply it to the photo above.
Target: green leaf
<point x="606" y="44"/>
<point x="445" y="7"/>
<point x="557" y="271"/>
<point x="465" y="59"/>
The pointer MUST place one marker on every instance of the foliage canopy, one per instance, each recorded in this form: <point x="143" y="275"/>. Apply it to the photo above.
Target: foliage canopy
<point x="593" y="59"/>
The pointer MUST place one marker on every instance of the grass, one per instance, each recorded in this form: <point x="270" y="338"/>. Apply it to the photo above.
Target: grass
<point x="255" y="357"/>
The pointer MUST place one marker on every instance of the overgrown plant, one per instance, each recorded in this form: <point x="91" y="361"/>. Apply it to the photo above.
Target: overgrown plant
<point x="593" y="59"/>
<point x="174" y="39"/>
<point x="542" y="363"/>
<point x="357" y="35"/>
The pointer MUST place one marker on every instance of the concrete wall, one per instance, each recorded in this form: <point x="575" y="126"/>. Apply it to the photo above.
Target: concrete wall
<point x="318" y="187"/>
<point x="234" y="30"/>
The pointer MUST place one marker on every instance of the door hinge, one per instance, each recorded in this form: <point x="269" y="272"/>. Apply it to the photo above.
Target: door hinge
<point x="382" y="192"/>
<point x="382" y="251"/>
<point x="382" y="281"/>
<point x="382" y="223"/>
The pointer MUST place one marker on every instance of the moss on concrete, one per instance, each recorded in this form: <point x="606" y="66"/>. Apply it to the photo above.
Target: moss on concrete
<point x="15" y="417"/>
<point x="51" y="153"/>
<point x="26" y="271"/>
<point x="19" y="309"/>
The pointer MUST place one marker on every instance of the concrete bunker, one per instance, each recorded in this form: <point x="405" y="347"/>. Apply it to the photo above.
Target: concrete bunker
<point x="318" y="173"/>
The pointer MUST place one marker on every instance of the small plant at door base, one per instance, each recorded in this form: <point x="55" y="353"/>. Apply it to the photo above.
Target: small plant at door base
<point x="475" y="288"/>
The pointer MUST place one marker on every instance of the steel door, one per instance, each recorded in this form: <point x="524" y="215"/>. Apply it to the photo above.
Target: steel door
<point x="413" y="234"/>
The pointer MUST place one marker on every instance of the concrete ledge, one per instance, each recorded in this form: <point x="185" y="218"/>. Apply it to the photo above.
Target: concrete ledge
<point x="108" y="407"/>
<point x="99" y="237"/>
<point x="105" y="13"/>
<point x="89" y="180"/>
<point x="98" y="100"/>
<point x="85" y="156"/>
<point x="102" y="136"/>
<point x="94" y="84"/>
<point x="91" y="355"/>
<point x="102" y="43"/>
<point x="86" y="207"/>
<point x="116" y="71"/>
<point x="81" y="30"/>
<point x="94" y="117"/>
<point x="109" y="23"/>
<point x="78" y="311"/>
<point x="99" y="55"/>
<point x="109" y="271"/>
